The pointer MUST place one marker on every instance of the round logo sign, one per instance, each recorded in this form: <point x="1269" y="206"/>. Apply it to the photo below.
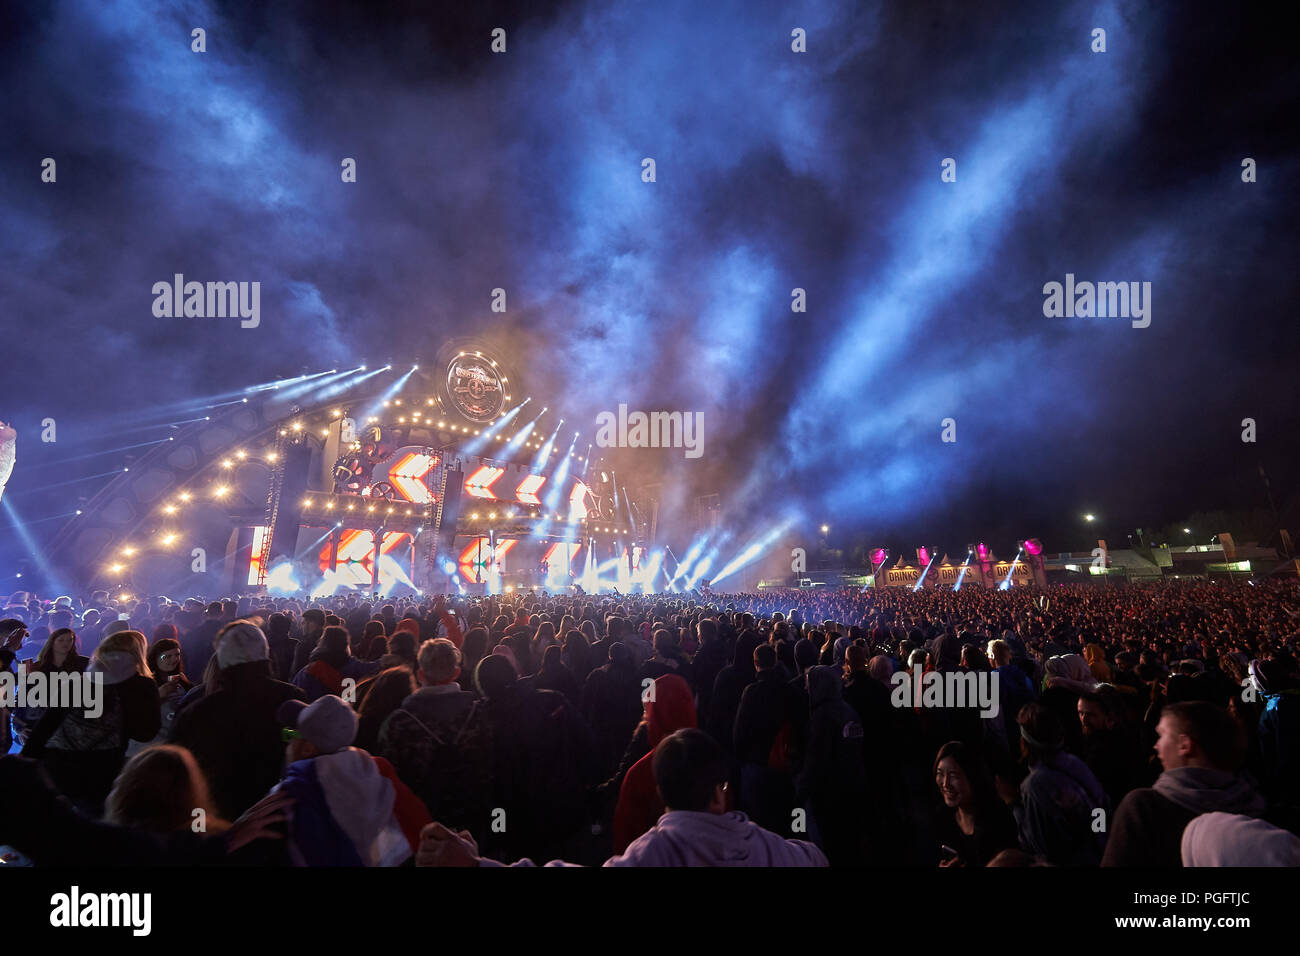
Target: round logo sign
<point x="475" y="388"/>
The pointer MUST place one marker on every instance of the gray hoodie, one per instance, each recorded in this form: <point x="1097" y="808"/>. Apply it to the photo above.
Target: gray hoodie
<point x="1202" y="790"/>
<point x="696" y="838"/>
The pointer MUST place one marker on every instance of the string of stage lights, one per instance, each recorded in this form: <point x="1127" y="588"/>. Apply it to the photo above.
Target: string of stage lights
<point x="214" y="483"/>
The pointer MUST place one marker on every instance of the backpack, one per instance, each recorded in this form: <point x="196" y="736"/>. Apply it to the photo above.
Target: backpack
<point x="446" y="763"/>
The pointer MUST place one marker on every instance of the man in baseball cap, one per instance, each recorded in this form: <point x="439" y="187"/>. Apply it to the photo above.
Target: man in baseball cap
<point x="324" y="727"/>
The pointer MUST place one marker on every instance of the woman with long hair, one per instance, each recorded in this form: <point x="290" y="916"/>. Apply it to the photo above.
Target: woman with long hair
<point x="973" y="824"/>
<point x="82" y="744"/>
<point x="374" y="642"/>
<point x="169" y="675"/>
<point x="60" y="654"/>
<point x="542" y="639"/>
<point x="576" y="654"/>
<point x="380" y="696"/>
<point x="553" y="674"/>
<point x="162" y="790"/>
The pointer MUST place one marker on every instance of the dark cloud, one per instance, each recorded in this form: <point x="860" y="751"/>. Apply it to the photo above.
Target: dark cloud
<point x="775" y="171"/>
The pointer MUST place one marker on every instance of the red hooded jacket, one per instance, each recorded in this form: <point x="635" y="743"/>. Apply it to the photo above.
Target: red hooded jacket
<point x="639" y="805"/>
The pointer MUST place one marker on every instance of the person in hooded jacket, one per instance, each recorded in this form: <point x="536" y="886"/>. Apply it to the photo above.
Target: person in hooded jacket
<point x="1201" y="749"/>
<point x="832" y="783"/>
<point x="669" y="707"/>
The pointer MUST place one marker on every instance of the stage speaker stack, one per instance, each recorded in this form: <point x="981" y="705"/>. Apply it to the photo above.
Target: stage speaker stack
<point x="450" y="518"/>
<point x="288" y="516"/>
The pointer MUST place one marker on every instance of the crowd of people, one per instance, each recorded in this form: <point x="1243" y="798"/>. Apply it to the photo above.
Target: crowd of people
<point x="1138" y="725"/>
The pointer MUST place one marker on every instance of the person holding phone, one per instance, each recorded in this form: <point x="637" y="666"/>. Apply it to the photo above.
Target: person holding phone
<point x="973" y="824"/>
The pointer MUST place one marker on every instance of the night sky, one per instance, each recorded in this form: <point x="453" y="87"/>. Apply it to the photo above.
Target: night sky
<point x="775" y="170"/>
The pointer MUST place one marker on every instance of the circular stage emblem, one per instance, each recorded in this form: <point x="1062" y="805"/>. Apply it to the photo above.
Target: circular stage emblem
<point x="475" y="388"/>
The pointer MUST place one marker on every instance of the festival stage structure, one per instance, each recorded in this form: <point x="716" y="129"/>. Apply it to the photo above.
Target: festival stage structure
<point x="402" y="481"/>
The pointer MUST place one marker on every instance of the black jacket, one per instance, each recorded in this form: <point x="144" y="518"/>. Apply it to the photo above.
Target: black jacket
<point x="235" y="737"/>
<point x="764" y="708"/>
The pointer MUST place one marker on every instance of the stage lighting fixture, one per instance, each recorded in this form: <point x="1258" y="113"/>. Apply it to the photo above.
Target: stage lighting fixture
<point x="271" y="456"/>
<point x="115" y="568"/>
<point x="168" y="539"/>
<point x="227" y="463"/>
<point x="1089" y="517"/>
<point x="1033" y="546"/>
<point x="241" y="455"/>
<point x="185" y="496"/>
<point x="129" y="552"/>
<point x="220" y="491"/>
<point x="170" y="509"/>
